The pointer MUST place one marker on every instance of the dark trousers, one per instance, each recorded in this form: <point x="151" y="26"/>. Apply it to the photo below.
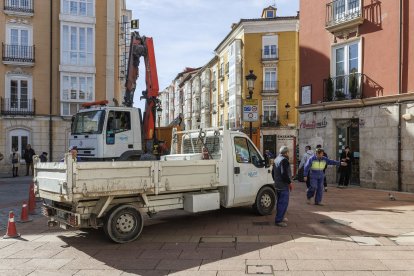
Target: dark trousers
<point x="345" y="175"/>
<point x="282" y="204"/>
<point x="15" y="171"/>
<point x="31" y="166"/>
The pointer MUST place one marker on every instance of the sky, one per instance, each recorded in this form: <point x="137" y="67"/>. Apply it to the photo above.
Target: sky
<point x="186" y="32"/>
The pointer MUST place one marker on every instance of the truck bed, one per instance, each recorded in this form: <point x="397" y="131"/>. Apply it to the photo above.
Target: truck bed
<point x="73" y="181"/>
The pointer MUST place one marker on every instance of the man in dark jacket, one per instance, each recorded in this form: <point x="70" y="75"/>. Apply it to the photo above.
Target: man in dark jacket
<point x="282" y="176"/>
<point x="28" y="157"/>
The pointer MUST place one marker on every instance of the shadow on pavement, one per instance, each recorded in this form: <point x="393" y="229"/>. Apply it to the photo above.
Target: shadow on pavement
<point x="177" y="241"/>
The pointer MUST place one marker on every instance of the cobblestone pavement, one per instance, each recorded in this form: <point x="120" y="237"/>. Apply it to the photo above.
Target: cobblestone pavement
<point x="13" y="192"/>
<point x="358" y="232"/>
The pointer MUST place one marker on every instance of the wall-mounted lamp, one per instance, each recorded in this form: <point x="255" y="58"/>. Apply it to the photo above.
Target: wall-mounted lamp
<point x="287" y="108"/>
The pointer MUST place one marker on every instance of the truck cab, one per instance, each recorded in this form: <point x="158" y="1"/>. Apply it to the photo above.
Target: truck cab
<point x="107" y="132"/>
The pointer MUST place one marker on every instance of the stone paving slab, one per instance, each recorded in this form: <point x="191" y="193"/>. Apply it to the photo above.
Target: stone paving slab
<point x="342" y="238"/>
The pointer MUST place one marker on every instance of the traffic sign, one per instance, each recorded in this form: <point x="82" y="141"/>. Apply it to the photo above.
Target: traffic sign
<point x="250" y="110"/>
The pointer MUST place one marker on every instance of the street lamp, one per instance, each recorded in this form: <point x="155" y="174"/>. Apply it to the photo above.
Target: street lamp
<point x="159" y="110"/>
<point x="250" y="78"/>
<point x="287" y="108"/>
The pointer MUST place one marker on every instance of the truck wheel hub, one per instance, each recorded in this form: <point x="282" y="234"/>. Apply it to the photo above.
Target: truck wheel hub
<point x="125" y="223"/>
<point x="266" y="200"/>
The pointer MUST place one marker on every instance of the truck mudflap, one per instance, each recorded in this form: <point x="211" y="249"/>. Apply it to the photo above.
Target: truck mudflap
<point x="61" y="217"/>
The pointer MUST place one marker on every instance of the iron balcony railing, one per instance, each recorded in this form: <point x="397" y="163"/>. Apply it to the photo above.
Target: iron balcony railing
<point x="270" y="87"/>
<point x="343" y="11"/>
<point x="18" y="53"/>
<point x="347" y="87"/>
<point x="18" y="107"/>
<point x="22" y="6"/>
<point x="269" y="55"/>
<point x="270" y="121"/>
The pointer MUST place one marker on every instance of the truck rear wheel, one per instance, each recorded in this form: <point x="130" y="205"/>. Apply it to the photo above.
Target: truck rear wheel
<point x="124" y="224"/>
<point x="265" y="201"/>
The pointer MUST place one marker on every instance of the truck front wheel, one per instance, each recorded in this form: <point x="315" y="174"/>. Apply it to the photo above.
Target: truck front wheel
<point x="265" y="201"/>
<point x="124" y="224"/>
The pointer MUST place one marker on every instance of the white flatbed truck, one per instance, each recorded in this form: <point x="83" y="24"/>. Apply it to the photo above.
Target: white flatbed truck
<point x="114" y="195"/>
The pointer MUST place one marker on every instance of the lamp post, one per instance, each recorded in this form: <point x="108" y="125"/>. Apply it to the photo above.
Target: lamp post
<point x="250" y="78"/>
<point x="287" y="108"/>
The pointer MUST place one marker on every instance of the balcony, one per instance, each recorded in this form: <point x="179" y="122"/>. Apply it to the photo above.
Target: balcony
<point x="347" y="87"/>
<point x="221" y="74"/>
<point x="270" y="88"/>
<point x="18" y="55"/>
<point x="270" y="123"/>
<point x="214" y="85"/>
<point x="343" y="15"/>
<point x="269" y="55"/>
<point x="13" y="7"/>
<point x="17" y="107"/>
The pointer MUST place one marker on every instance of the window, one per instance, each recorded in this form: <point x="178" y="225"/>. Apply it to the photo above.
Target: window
<point x="77" y="45"/>
<point x="269" y="112"/>
<point x="78" y="7"/>
<point x="246" y="152"/>
<point x="118" y="121"/>
<point x="269" y="14"/>
<point x="88" y="122"/>
<point x="346" y="9"/>
<point x="269" y="79"/>
<point x="269" y="49"/>
<point x="19" y="39"/>
<point x="19" y="92"/>
<point x="345" y="62"/>
<point x="76" y="89"/>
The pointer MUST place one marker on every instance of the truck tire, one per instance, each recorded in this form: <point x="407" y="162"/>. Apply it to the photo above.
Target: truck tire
<point x="265" y="201"/>
<point x="123" y="224"/>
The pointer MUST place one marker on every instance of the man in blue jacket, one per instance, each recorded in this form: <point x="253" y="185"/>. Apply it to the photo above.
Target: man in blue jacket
<point x="315" y="166"/>
<point x="282" y="176"/>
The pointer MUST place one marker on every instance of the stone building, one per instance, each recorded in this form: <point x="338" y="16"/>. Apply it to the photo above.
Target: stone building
<point x="356" y="89"/>
<point x="56" y="55"/>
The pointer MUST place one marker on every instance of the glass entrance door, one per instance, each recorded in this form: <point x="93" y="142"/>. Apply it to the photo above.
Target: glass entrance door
<point x="348" y="134"/>
<point x="19" y="138"/>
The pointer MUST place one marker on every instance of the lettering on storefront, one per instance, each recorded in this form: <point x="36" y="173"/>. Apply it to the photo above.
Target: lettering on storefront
<point x="314" y="124"/>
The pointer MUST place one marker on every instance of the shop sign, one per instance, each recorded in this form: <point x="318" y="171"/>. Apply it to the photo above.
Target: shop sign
<point x="314" y="124"/>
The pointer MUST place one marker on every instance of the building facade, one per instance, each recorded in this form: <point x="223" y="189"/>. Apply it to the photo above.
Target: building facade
<point x="266" y="45"/>
<point x="56" y="55"/>
<point x="355" y="89"/>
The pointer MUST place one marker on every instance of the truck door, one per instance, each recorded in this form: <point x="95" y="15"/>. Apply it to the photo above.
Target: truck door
<point x="249" y="172"/>
<point x="118" y="135"/>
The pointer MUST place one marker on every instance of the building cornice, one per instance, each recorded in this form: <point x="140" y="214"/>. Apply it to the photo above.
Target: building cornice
<point x="358" y="103"/>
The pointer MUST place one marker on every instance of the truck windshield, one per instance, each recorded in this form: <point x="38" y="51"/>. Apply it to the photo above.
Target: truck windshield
<point x="88" y="122"/>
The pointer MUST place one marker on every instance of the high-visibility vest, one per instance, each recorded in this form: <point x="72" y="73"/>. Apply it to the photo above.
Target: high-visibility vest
<point x="318" y="165"/>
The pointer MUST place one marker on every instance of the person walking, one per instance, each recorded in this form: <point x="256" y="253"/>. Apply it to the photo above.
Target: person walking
<point x="282" y="176"/>
<point x="315" y="167"/>
<point x="28" y="157"/>
<point x="325" y="183"/>
<point x="15" y="160"/>
<point x="345" y="172"/>
<point x="308" y="154"/>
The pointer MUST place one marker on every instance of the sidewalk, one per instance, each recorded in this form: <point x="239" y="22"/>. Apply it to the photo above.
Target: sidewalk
<point x="358" y="232"/>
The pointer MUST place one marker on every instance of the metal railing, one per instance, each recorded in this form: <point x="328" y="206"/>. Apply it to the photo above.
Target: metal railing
<point x="269" y="122"/>
<point x="269" y="56"/>
<point x="25" y="6"/>
<point x="17" y="107"/>
<point x="342" y="11"/>
<point x="18" y="53"/>
<point x="346" y="87"/>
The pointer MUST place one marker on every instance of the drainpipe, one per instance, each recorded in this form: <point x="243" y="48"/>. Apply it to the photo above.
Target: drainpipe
<point x="50" y="86"/>
<point x="400" y="29"/>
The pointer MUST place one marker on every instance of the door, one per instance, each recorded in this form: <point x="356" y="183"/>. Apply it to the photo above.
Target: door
<point x="19" y="43"/>
<point x="348" y="134"/>
<point x="269" y="143"/>
<point x="119" y="135"/>
<point x="19" y="95"/>
<point x="19" y="138"/>
<point x="248" y="166"/>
